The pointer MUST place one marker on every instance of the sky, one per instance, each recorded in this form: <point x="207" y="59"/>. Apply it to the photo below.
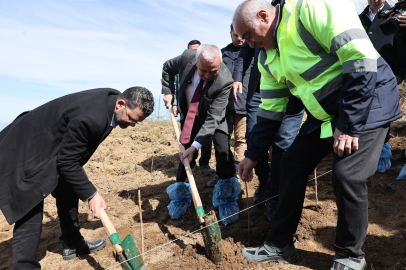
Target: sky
<point x="52" y="48"/>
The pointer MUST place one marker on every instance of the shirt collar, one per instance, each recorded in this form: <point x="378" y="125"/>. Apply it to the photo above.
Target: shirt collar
<point x="371" y="15"/>
<point x="113" y="122"/>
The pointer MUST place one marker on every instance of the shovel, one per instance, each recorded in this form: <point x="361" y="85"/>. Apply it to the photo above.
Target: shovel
<point x="211" y="234"/>
<point x="124" y="250"/>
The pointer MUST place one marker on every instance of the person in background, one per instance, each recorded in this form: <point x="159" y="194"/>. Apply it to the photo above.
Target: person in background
<point x="230" y="55"/>
<point x="388" y="47"/>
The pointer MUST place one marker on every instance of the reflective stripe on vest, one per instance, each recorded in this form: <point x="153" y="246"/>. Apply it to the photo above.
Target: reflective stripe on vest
<point x="327" y="60"/>
<point x="274" y="95"/>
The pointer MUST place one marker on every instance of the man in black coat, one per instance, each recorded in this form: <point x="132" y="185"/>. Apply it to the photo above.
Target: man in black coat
<point x="43" y="151"/>
<point x="239" y="119"/>
<point x="389" y="47"/>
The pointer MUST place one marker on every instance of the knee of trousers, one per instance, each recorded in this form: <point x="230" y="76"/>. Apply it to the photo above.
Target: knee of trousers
<point x="345" y="178"/>
<point x="286" y="162"/>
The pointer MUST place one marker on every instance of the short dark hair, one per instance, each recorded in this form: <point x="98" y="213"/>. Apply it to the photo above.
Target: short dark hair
<point x="193" y="42"/>
<point x="232" y="27"/>
<point x="139" y="97"/>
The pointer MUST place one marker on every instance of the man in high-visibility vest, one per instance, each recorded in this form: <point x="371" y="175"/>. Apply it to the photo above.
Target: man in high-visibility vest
<point x="350" y="93"/>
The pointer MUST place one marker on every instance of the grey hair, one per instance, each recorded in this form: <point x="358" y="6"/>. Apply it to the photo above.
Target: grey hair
<point x="248" y="11"/>
<point x="139" y="97"/>
<point x="208" y="52"/>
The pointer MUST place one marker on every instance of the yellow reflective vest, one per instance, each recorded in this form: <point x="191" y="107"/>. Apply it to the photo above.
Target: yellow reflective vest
<point x="317" y="42"/>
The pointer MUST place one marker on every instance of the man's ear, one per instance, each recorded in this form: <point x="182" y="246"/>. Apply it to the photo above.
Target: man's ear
<point x="120" y="103"/>
<point x="263" y="16"/>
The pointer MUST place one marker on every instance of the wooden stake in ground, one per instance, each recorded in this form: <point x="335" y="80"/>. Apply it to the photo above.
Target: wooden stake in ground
<point x="315" y="183"/>
<point x="142" y="230"/>
<point x="372" y="181"/>
<point x="248" y="211"/>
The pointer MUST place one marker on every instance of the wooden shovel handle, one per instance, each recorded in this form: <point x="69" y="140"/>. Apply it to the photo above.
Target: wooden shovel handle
<point x="109" y="229"/>
<point x="195" y="193"/>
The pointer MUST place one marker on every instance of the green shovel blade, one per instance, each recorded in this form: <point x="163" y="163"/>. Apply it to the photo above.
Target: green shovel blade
<point x="131" y="251"/>
<point x="212" y="237"/>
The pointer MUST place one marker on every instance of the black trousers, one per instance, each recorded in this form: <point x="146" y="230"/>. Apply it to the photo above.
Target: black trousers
<point x="224" y="156"/>
<point x="27" y="230"/>
<point x="205" y="154"/>
<point x="349" y="180"/>
<point x="205" y="151"/>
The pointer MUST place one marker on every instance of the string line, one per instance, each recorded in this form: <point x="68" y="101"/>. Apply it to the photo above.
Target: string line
<point x="183" y="236"/>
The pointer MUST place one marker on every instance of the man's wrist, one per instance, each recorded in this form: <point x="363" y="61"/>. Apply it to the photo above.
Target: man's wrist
<point x="91" y="197"/>
<point x="196" y="145"/>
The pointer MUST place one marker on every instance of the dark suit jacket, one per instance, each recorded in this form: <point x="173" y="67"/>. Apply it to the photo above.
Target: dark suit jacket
<point x="214" y="98"/>
<point x="388" y="46"/>
<point x="247" y="62"/>
<point x="57" y="138"/>
<point x="229" y="58"/>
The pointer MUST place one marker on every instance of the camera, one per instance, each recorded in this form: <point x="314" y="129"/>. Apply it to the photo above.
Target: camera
<point x="391" y="25"/>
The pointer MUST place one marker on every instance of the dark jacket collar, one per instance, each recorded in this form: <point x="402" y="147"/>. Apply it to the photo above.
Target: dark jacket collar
<point x="386" y="6"/>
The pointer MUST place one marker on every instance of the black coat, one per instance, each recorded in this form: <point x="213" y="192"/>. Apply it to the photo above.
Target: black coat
<point x="247" y="64"/>
<point x="55" y="139"/>
<point x="229" y="59"/>
<point x="388" y="46"/>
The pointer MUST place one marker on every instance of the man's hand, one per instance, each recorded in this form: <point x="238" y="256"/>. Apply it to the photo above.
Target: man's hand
<point x="399" y="79"/>
<point x="344" y="141"/>
<point x="188" y="154"/>
<point x="175" y="111"/>
<point x="402" y="20"/>
<point x="245" y="169"/>
<point x="237" y="86"/>
<point x="168" y="100"/>
<point x="95" y="204"/>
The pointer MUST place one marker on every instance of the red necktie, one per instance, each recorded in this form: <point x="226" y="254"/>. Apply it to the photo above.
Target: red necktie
<point x="191" y="114"/>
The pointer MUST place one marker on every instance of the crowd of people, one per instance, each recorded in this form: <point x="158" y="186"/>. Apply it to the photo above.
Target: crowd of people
<point x="285" y="58"/>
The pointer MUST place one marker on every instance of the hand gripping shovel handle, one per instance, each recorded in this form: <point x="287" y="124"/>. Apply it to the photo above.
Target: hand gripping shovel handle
<point x="195" y="194"/>
<point x="111" y="232"/>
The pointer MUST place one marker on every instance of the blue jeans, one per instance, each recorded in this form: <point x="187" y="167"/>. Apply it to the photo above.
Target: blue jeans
<point x="270" y="176"/>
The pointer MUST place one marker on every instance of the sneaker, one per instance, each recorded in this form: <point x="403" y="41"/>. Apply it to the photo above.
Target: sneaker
<point x="214" y="181"/>
<point x="341" y="263"/>
<point x="205" y="169"/>
<point x="269" y="253"/>
<point x="270" y="210"/>
<point x="82" y="248"/>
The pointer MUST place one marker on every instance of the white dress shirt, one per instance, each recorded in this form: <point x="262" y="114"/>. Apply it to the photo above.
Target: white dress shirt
<point x="371" y="15"/>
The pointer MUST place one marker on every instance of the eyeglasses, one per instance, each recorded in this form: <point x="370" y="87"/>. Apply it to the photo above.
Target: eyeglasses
<point x="130" y="120"/>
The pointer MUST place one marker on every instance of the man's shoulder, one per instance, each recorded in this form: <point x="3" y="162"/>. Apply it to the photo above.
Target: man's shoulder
<point x="227" y="48"/>
<point x="224" y="76"/>
<point x="189" y="54"/>
<point x="365" y="11"/>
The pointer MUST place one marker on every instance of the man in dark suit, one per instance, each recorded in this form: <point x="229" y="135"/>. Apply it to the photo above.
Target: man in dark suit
<point x="43" y="151"/>
<point x="205" y="84"/>
<point x="389" y="47"/>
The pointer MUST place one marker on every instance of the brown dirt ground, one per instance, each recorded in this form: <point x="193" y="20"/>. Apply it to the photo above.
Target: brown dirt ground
<point x="148" y="159"/>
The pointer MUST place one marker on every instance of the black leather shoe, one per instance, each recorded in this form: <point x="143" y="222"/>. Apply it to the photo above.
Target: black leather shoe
<point x="83" y="247"/>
